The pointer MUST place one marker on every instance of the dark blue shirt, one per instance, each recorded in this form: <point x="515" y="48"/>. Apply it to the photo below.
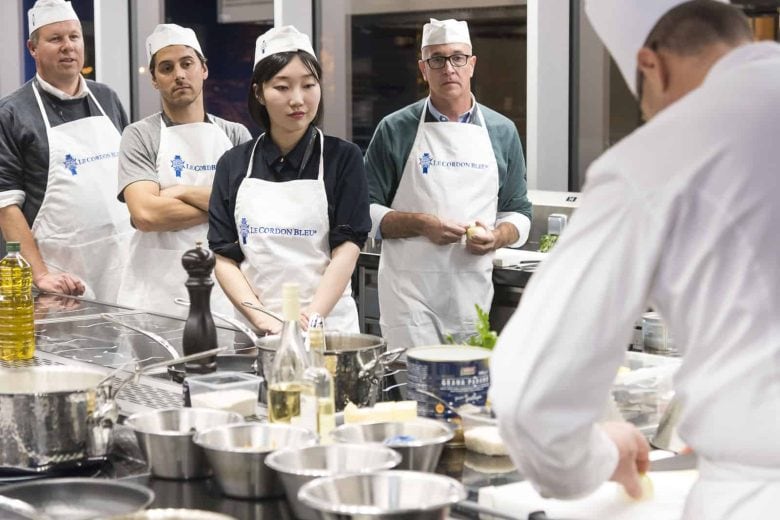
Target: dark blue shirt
<point x="345" y="187"/>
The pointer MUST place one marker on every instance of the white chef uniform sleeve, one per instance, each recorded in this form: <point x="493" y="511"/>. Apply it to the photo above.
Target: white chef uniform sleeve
<point x="557" y="357"/>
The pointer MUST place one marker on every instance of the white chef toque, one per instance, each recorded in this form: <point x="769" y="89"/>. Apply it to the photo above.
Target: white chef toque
<point x="437" y="32"/>
<point x="624" y="25"/>
<point x="45" y="12"/>
<point x="166" y="34"/>
<point x="281" y="39"/>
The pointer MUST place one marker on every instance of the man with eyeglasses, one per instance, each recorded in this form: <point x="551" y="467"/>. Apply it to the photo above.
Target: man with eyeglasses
<point x="446" y="179"/>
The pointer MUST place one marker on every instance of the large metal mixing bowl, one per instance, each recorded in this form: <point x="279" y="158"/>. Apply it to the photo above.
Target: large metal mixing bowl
<point x="165" y="437"/>
<point x="420" y="442"/>
<point x="296" y="467"/>
<point x="237" y="454"/>
<point x="385" y="495"/>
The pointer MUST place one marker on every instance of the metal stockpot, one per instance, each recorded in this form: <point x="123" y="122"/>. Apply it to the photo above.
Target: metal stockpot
<point x="356" y="361"/>
<point x="53" y="416"/>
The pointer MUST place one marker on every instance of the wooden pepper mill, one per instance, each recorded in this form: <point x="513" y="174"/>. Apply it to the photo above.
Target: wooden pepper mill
<point x="200" y="334"/>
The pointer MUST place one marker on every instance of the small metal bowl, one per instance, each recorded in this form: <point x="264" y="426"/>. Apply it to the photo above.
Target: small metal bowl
<point x="165" y="437"/>
<point x="420" y="442"/>
<point x="386" y="495"/>
<point x="237" y="454"/>
<point x="297" y="467"/>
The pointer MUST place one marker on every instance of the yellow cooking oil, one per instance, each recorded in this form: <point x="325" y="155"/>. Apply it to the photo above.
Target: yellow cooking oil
<point x="17" y="328"/>
<point x="284" y="401"/>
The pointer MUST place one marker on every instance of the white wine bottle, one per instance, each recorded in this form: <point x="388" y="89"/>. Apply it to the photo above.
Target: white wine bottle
<point x="290" y="397"/>
<point x="321" y="382"/>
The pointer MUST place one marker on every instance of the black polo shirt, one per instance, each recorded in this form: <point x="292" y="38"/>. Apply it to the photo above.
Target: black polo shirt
<point x="344" y="177"/>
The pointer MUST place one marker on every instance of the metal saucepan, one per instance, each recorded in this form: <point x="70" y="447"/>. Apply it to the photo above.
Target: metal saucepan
<point x="58" y="416"/>
<point x="356" y="361"/>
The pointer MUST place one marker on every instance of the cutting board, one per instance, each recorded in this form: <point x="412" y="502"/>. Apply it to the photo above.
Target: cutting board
<point x="506" y="257"/>
<point x="608" y="502"/>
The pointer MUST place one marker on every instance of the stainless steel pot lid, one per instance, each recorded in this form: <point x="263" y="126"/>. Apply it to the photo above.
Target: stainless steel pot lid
<point x="81" y="498"/>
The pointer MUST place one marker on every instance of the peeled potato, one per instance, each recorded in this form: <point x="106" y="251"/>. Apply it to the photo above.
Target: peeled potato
<point x="648" y="491"/>
<point x="475" y="230"/>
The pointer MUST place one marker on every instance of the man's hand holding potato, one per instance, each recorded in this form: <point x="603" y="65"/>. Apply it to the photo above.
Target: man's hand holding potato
<point x="479" y="239"/>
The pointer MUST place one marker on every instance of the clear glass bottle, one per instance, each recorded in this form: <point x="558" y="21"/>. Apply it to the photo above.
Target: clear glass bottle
<point x="289" y="395"/>
<point x="321" y="381"/>
<point x="17" y="327"/>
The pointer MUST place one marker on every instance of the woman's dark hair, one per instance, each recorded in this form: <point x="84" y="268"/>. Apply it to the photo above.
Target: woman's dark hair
<point x="269" y="67"/>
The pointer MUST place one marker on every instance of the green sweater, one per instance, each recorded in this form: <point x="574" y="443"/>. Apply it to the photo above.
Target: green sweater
<point x="393" y="139"/>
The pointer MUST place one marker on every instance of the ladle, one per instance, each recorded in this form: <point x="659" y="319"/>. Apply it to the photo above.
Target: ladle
<point x="151" y="335"/>
<point x="264" y="311"/>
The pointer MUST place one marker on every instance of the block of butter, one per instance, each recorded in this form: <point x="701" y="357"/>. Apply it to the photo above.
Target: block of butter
<point x="392" y="411"/>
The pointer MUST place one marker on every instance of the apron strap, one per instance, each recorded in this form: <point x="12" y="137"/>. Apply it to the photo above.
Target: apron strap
<point x="43" y="109"/>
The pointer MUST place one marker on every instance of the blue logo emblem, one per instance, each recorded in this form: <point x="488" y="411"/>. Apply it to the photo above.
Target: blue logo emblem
<point x="177" y="163"/>
<point x="244" y="230"/>
<point x="70" y="163"/>
<point x="425" y="162"/>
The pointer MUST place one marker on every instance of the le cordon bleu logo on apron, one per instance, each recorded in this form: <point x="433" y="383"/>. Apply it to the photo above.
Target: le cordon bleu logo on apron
<point x="245" y="230"/>
<point x="179" y="165"/>
<point x="72" y="163"/>
<point x="427" y="162"/>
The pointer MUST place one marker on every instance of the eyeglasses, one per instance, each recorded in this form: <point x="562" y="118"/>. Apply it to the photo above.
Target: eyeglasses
<point x="457" y="60"/>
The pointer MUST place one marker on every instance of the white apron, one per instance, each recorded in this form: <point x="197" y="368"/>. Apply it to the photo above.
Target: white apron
<point x="154" y="275"/>
<point x="733" y="492"/>
<point x="81" y="228"/>
<point x="427" y="291"/>
<point x="283" y="232"/>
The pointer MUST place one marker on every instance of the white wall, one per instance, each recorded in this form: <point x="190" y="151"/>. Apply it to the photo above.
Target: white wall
<point x="112" y="47"/>
<point x="12" y="41"/>
<point x="548" y="95"/>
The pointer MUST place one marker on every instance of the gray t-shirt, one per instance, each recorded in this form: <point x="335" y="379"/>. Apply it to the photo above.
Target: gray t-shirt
<point x="140" y="141"/>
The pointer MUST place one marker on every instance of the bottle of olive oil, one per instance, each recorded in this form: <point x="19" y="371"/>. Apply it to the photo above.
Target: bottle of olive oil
<point x="289" y="395"/>
<point x="321" y="382"/>
<point x="17" y="328"/>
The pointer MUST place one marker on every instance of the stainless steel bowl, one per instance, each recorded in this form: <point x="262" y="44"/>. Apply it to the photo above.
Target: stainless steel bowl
<point x="391" y="495"/>
<point x="165" y="437"/>
<point x="297" y="467"/>
<point x="237" y="454"/>
<point x="419" y="442"/>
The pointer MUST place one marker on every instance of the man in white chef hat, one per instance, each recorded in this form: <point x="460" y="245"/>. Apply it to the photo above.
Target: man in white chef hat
<point x="681" y="215"/>
<point x="58" y="147"/>
<point x="166" y="167"/>
<point x="435" y="168"/>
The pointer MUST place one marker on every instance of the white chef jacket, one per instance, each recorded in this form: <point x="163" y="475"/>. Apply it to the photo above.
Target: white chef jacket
<point x="683" y="215"/>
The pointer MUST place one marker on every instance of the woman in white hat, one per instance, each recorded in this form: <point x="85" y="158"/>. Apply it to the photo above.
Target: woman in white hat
<point x="291" y="206"/>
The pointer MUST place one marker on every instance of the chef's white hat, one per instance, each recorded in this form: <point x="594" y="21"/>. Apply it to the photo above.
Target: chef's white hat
<point x="624" y="25"/>
<point x="45" y="12"/>
<point x="437" y="32"/>
<point x="166" y="34"/>
<point x="281" y="39"/>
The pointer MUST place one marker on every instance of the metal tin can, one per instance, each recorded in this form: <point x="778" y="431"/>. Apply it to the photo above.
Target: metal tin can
<point x="656" y="337"/>
<point x="458" y="375"/>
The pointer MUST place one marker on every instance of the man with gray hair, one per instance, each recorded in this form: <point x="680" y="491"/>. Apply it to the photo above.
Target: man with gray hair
<point x="58" y="157"/>
<point x="167" y="163"/>
<point x="435" y="169"/>
<point x="681" y="215"/>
